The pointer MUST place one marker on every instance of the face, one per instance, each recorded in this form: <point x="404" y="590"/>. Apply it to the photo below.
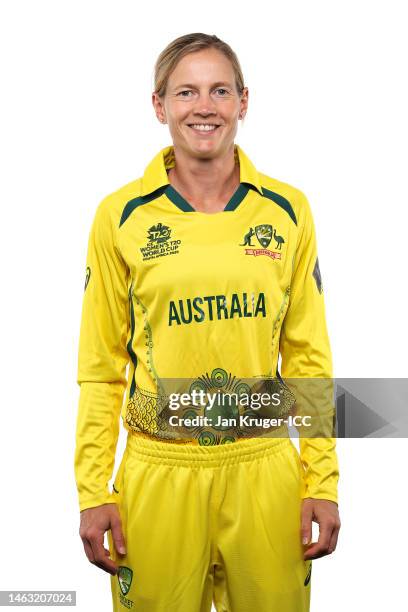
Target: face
<point x="202" y="105"/>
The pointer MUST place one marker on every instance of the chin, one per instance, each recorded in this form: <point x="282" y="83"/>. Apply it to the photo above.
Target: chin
<point x="204" y="150"/>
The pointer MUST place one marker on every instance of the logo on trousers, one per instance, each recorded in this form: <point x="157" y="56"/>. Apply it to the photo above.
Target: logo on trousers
<point x="125" y="575"/>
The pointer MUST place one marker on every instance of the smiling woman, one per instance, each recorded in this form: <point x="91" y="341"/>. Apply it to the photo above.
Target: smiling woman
<point x="201" y="97"/>
<point x="203" y="271"/>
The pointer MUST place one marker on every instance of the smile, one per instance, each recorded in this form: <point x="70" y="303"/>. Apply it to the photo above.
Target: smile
<point x="206" y="128"/>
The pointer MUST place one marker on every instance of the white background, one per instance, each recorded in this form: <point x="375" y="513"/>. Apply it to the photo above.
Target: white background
<point x="327" y="114"/>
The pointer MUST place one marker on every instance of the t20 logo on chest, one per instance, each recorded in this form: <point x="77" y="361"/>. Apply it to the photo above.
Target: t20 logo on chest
<point x="159" y="243"/>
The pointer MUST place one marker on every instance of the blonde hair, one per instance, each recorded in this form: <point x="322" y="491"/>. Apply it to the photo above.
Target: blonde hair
<point x="190" y="43"/>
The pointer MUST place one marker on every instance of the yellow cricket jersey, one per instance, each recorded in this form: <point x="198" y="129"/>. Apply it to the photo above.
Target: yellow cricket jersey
<point x="213" y="298"/>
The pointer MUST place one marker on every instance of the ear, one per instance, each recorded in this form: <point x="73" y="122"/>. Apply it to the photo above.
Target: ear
<point x="158" y="107"/>
<point x="243" y="103"/>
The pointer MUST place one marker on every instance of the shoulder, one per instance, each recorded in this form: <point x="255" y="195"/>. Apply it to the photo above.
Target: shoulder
<point x="111" y="207"/>
<point x="287" y="195"/>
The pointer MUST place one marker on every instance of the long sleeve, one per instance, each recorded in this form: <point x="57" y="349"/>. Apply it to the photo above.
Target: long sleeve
<point x="306" y="354"/>
<point x="102" y="359"/>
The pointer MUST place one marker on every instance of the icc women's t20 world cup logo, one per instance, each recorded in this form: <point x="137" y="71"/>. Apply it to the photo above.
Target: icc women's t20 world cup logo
<point x="159" y="243"/>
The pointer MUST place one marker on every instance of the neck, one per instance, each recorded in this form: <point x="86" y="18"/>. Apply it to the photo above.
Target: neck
<point x="207" y="184"/>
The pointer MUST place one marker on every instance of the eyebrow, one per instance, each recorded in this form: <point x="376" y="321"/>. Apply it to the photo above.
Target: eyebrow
<point x="192" y="86"/>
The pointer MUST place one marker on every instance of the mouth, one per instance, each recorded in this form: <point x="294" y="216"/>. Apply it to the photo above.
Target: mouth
<point x="204" y="128"/>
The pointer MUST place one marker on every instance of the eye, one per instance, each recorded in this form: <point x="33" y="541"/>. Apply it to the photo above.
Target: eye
<point x="185" y="91"/>
<point x="222" y="90"/>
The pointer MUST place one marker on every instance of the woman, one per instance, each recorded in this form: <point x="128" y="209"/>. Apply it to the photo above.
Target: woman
<point x="199" y="274"/>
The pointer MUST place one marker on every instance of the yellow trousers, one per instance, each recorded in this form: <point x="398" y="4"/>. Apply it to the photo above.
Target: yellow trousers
<point x="207" y="524"/>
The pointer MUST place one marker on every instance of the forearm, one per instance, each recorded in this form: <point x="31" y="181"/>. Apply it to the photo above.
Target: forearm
<point x="97" y="432"/>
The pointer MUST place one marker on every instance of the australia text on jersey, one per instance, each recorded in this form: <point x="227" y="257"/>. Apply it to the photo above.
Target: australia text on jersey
<point x="210" y="307"/>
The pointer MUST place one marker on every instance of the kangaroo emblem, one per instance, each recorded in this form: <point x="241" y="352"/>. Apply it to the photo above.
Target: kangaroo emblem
<point x="264" y="234"/>
<point x="247" y="238"/>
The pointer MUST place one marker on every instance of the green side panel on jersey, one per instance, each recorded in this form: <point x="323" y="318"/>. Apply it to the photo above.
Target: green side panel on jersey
<point x="133" y="204"/>
<point x="130" y="343"/>
<point x="280" y="201"/>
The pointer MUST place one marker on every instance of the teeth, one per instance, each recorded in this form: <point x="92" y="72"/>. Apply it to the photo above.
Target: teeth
<point x="203" y="127"/>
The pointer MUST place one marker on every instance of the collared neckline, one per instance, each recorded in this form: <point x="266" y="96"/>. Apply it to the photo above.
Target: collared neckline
<point x="155" y="177"/>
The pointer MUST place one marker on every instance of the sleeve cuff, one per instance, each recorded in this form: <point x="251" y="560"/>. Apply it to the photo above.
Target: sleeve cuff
<point x="329" y="496"/>
<point x="97" y="500"/>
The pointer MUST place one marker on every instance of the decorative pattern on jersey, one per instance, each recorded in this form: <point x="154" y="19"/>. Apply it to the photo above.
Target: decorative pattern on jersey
<point x="142" y="411"/>
<point x="227" y="426"/>
<point x="279" y="317"/>
<point x="159" y="243"/>
<point x="264" y="234"/>
<point x="222" y="421"/>
<point x="144" y="406"/>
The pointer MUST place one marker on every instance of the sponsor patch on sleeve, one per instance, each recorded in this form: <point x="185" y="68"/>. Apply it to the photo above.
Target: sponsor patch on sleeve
<point x="87" y="277"/>
<point x="317" y="276"/>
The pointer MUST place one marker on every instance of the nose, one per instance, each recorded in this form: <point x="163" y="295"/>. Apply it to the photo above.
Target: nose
<point x="205" y="105"/>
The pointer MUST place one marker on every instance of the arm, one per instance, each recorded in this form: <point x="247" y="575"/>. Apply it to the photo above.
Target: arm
<point x="102" y="360"/>
<point x="306" y="354"/>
